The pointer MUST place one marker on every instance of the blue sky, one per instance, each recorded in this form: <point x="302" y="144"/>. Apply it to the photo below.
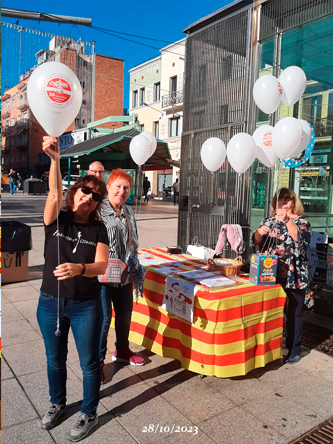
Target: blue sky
<point x="157" y="19"/>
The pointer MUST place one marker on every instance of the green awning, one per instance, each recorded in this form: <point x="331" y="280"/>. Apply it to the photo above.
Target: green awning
<point x="118" y="142"/>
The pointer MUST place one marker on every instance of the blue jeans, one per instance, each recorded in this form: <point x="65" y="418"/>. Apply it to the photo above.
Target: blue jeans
<point x="122" y="300"/>
<point x="12" y="186"/>
<point x="85" y="320"/>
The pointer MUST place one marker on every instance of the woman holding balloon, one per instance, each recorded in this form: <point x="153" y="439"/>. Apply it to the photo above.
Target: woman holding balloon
<point x="76" y="251"/>
<point x="287" y="233"/>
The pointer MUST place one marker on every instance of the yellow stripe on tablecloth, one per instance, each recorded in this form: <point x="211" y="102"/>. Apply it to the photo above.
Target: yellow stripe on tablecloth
<point x="204" y="347"/>
<point x="209" y="370"/>
<point x="214" y="327"/>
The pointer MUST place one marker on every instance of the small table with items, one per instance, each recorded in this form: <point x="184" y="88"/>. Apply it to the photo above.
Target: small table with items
<point x="234" y="329"/>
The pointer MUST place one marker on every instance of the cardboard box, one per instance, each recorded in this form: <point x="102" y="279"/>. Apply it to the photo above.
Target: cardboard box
<point x="263" y="269"/>
<point x="14" y="267"/>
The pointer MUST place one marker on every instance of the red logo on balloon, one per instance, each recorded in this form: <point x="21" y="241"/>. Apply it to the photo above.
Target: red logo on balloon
<point x="280" y="89"/>
<point x="58" y="90"/>
<point x="266" y="139"/>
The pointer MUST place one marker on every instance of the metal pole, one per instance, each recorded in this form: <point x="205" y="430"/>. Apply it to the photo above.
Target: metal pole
<point x="274" y="117"/>
<point x="93" y="74"/>
<point x="69" y="173"/>
<point x="44" y="17"/>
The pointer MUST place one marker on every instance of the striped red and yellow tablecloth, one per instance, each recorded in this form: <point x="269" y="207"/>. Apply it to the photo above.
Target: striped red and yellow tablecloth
<point x="234" y="330"/>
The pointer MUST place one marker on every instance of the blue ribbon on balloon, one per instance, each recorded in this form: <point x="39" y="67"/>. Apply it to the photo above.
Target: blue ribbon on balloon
<point x="304" y="156"/>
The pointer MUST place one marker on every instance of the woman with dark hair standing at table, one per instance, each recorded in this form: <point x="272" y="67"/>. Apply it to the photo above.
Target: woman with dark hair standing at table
<point x="287" y="233"/>
<point x="76" y="251"/>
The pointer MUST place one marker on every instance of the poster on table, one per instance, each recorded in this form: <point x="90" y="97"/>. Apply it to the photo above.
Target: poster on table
<point x="179" y="298"/>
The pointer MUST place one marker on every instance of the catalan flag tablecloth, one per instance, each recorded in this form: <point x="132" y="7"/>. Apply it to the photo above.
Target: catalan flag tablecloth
<point x="234" y="330"/>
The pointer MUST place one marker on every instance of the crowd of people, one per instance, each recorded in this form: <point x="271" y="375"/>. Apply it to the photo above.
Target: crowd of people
<point x="94" y="234"/>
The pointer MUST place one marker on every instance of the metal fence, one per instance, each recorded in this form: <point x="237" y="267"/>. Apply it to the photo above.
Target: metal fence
<point x="287" y="14"/>
<point x="216" y="91"/>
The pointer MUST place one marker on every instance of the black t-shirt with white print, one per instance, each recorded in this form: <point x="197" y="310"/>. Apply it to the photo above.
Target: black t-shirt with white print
<point x="78" y="244"/>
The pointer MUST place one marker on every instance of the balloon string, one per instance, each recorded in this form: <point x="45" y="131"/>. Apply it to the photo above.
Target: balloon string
<point x="57" y="332"/>
<point x="211" y="218"/>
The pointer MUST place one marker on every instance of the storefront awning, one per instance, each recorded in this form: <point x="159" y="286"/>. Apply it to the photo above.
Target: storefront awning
<point x="118" y="142"/>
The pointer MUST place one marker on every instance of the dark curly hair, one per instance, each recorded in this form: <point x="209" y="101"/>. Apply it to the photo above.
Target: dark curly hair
<point x="98" y="185"/>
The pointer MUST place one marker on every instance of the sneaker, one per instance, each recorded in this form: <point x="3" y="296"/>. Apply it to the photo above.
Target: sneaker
<point x="82" y="427"/>
<point x="128" y="357"/>
<point x="293" y="359"/>
<point x="52" y="416"/>
<point x="102" y="372"/>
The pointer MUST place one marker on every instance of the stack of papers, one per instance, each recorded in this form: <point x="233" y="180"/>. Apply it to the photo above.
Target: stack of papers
<point x="208" y="278"/>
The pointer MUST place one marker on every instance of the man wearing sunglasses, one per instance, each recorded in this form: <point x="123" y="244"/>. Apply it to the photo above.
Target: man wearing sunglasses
<point x="96" y="169"/>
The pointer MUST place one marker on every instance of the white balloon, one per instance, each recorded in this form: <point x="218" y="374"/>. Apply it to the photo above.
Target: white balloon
<point x="55" y="97"/>
<point x="152" y="141"/>
<point x="241" y="152"/>
<point x="267" y="93"/>
<point x="286" y="137"/>
<point x="140" y="149"/>
<point x="305" y="139"/>
<point x="293" y="81"/>
<point x="263" y="139"/>
<point x="213" y="152"/>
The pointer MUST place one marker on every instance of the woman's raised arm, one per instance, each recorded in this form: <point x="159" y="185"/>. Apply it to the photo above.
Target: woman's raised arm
<point x="54" y="198"/>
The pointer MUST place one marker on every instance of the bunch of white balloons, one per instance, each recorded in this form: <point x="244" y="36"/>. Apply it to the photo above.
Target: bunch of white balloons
<point x="268" y="91"/>
<point x="142" y="147"/>
<point x="288" y="139"/>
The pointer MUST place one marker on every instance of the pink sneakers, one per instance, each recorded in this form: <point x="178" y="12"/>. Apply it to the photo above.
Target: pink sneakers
<point x="128" y="357"/>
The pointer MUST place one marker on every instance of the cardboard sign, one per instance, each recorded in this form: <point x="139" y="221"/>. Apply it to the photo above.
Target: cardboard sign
<point x="14" y="267"/>
<point x="263" y="269"/>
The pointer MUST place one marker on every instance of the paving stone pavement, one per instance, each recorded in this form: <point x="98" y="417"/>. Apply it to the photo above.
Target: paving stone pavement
<point x="159" y="402"/>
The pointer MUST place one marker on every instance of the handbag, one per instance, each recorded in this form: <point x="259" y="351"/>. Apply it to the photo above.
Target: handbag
<point x="116" y="272"/>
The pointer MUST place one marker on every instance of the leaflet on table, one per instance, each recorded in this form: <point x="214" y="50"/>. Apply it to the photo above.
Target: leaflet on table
<point x="208" y="278"/>
<point x="179" y="298"/>
<point x="166" y="270"/>
<point x="152" y="261"/>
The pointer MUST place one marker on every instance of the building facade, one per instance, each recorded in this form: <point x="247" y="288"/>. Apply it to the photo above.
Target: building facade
<point x="101" y="78"/>
<point x="156" y="97"/>
<point x="225" y="53"/>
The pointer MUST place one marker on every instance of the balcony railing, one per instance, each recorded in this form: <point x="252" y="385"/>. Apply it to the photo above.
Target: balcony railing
<point x="172" y="99"/>
<point x="23" y="106"/>
<point x="18" y="128"/>
<point x="5" y="115"/>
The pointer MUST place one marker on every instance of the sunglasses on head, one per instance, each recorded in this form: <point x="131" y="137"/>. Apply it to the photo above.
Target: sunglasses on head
<point x="87" y="190"/>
